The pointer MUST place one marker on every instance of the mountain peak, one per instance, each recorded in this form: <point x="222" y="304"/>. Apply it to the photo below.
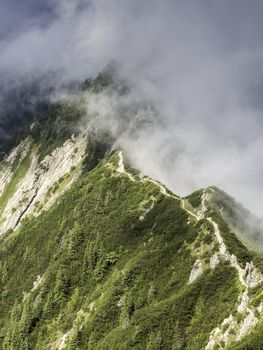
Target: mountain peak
<point x="98" y="253"/>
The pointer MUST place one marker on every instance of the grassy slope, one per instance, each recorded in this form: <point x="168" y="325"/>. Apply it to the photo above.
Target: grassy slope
<point x="235" y="245"/>
<point x="113" y="281"/>
<point x="92" y="247"/>
<point x="195" y="199"/>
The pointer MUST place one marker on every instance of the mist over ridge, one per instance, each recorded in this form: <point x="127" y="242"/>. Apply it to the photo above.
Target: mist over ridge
<point x="202" y="73"/>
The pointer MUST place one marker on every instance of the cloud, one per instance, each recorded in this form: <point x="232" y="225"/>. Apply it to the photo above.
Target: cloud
<point x="199" y="61"/>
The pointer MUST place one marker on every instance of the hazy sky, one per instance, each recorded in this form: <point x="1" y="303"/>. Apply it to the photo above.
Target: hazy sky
<point x="200" y="61"/>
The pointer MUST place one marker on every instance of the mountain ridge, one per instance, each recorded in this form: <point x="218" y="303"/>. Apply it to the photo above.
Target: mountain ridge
<point x="207" y="250"/>
<point x="95" y="254"/>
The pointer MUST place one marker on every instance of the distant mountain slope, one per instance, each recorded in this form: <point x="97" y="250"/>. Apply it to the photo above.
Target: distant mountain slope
<point x="242" y="222"/>
<point x="117" y="261"/>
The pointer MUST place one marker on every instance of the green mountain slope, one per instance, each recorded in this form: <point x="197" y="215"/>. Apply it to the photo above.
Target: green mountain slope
<point x="95" y="255"/>
<point x="119" y="262"/>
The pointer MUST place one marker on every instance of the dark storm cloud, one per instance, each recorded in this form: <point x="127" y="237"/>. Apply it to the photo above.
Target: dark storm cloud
<point x="200" y="61"/>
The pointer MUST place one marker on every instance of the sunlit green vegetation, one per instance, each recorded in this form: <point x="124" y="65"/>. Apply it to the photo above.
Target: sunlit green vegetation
<point x="195" y="199"/>
<point x="92" y="271"/>
<point x="92" y="249"/>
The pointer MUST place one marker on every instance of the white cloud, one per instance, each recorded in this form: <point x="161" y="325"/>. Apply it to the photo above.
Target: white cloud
<point x="190" y="59"/>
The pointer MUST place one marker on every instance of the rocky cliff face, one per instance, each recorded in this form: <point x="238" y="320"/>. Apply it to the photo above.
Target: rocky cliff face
<point x="108" y="258"/>
<point x="34" y="186"/>
<point x="233" y="328"/>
